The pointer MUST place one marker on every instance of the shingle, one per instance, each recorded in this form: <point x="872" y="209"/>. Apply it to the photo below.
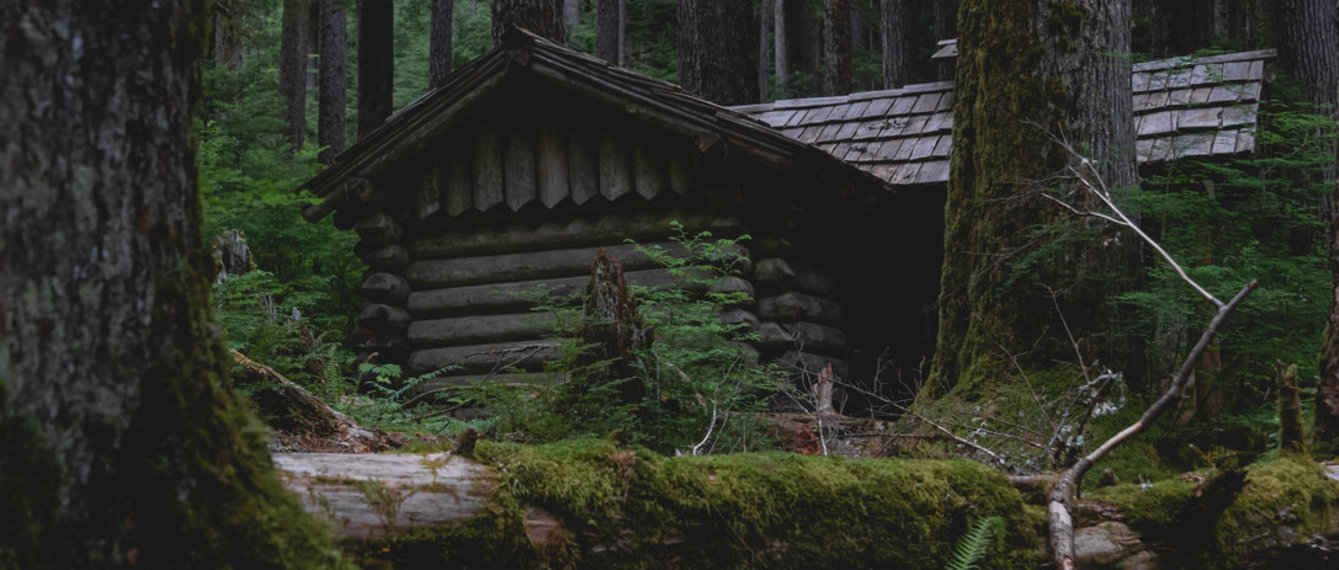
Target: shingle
<point x="1239" y="114"/>
<point x="810" y="134"/>
<point x="906" y="174"/>
<point x="904" y="152"/>
<point x="1201" y="118"/>
<point x="902" y="105"/>
<point x="798" y="119"/>
<point x="944" y="146"/>
<point x="933" y="172"/>
<point x="885" y="171"/>
<point x="936" y="122"/>
<point x="776" y="118"/>
<point x="1155" y="123"/>
<point x="877" y="108"/>
<point x="859" y="152"/>
<point x="926" y="103"/>
<point x="1225" y="142"/>
<point x="888" y="149"/>
<point x="1200" y="95"/>
<point x="1140" y="81"/>
<point x="1257" y="72"/>
<point x="1161" y="149"/>
<point x="1236" y="70"/>
<point x="945" y="102"/>
<point x="838" y="112"/>
<point x="848" y="131"/>
<point x="855" y="111"/>
<point x="817" y="116"/>
<point x="1245" y="140"/>
<point x="1223" y="94"/>
<point x="1178" y="78"/>
<point x="1195" y="144"/>
<point x="1178" y="97"/>
<point x="829" y="132"/>
<point x="1143" y="149"/>
<point x="925" y="148"/>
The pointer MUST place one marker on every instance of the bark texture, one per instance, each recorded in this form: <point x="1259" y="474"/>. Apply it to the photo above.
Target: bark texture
<point x="376" y="63"/>
<point x="895" y="47"/>
<point x="718" y="59"/>
<point x="608" y="21"/>
<point x="1182" y="26"/>
<point x="1054" y="65"/>
<point x="614" y="329"/>
<point x="226" y="46"/>
<point x="293" y="50"/>
<point x="837" y="47"/>
<point x="119" y="443"/>
<point x="1308" y="48"/>
<point x="542" y="17"/>
<point x="439" y="41"/>
<point x="780" y="49"/>
<point x="334" y="84"/>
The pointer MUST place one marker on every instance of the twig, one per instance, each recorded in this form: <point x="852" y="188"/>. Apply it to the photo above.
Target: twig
<point x="1061" y="497"/>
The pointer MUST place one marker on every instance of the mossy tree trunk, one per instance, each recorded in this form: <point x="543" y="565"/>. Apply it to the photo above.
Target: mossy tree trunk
<point x="119" y="443"/>
<point x="1026" y="69"/>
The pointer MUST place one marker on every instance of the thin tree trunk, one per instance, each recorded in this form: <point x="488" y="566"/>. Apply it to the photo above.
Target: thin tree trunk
<point x="293" y="70"/>
<point x="376" y="63"/>
<point x="1182" y="26"/>
<point x="946" y="27"/>
<point x="780" y="48"/>
<point x="607" y="25"/>
<point x="1026" y="86"/>
<point x="439" y="41"/>
<point x="542" y="17"/>
<point x="623" y="32"/>
<point x="837" y="47"/>
<point x="572" y="13"/>
<point x="120" y="443"/>
<point x="226" y="47"/>
<point x="334" y="83"/>
<point x="764" y="46"/>
<point x="893" y="18"/>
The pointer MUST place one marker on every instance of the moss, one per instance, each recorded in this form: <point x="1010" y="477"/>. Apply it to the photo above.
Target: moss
<point x="1285" y="502"/>
<point x="631" y="507"/>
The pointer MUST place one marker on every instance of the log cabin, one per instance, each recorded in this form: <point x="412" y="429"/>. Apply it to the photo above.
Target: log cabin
<point x="524" y="162"/>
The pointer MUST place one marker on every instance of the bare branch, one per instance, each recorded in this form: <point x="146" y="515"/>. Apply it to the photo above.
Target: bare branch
<point x="1061" y="497"/>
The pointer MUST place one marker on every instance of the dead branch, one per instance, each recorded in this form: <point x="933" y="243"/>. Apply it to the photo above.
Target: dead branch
<point x="1061" y="497"/>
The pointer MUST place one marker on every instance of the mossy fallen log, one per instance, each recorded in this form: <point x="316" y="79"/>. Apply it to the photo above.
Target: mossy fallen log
<point x="591" y="503"/>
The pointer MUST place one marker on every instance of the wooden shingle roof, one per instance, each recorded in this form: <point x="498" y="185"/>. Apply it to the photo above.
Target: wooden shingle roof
<point x="665" y="105"/>
<point x="1183" y="107"/>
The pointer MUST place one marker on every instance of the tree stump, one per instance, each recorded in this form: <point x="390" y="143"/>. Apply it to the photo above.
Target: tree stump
<point x="613" y="334"/>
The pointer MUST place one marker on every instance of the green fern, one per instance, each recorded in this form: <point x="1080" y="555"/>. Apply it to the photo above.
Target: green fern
<point x="972" y="546"/>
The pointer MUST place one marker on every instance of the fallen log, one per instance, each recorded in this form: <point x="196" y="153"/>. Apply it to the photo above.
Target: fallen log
<point x="591" y="503"/>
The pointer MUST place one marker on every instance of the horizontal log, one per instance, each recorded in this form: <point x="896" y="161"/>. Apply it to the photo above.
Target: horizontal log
<point x="776" y="275"/>
<point x="795" y="306"/>
<point x="385" y="288"/>
<point x="392" y="258"/>
<point x="808" y="365"/>
<point x="389" y="348"/>
<point x="740" y="316"/>
<point x="480" y="329"/>
<point x="801" y="336"/>
<point x="442" y="510"/>
<point x="516" y="297"/>
<point x="509" y="267"/>
<point x="382" y="318"/>
<point x="484" y="358"/>
<point x="379" y="228"/>
<point x="505" y="378"/>
<point x="579" y="232"/>
<point x="430" y="490"/>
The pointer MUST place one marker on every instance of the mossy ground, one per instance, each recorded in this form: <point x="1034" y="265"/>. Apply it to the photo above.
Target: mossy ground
<point x="629" y="507"/>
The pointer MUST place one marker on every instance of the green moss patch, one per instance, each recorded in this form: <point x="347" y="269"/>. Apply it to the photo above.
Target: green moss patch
<point x="624" y="507"/>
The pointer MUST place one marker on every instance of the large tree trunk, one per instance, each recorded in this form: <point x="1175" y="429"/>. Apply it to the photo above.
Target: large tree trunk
<point x="717" y="51"/>
<point x="376" y="63"/>
<point x="1308" y="48"/>
<point x="572" y="13"/>
<point x="765" y="12"/>
<point x="334" y="84"/>
<point x="1014" y="83"/>
<point x="293" y="70"/>
<point x="895" y="48"/>
<point x="119" y="443"/>
<point x="608" y="22"/>
<point x="439" y="41"/>
<point x="542" y="17"/>
<point x="837" y="47"/>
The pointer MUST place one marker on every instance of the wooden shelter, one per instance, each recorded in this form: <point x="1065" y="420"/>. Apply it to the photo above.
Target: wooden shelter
<point x="512" y="173"/>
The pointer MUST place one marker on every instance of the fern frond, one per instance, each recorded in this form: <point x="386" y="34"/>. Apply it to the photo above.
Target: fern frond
<point x="972" y="546"/>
